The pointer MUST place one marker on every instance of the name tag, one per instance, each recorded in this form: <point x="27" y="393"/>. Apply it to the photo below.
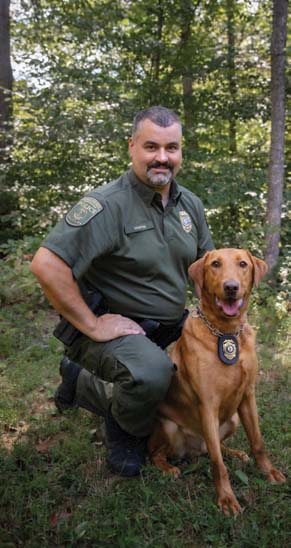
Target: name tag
<point x="140" y="227"/>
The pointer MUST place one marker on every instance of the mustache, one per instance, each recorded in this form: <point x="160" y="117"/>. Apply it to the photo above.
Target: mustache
<point x="167" y="165"/>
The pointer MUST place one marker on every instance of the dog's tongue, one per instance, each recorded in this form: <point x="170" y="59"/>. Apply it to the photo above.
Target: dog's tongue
<point x="231" y="307"/>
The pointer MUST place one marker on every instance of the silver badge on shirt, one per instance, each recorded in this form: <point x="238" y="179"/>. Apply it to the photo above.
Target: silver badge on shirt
<point x="185" y="221"/>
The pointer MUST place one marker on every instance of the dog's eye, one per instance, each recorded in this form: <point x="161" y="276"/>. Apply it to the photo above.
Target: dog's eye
<point x="216" y="264"/>
<point x="243" y="264"/>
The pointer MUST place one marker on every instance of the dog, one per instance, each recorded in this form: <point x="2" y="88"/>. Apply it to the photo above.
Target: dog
<point x="214" y="385"/>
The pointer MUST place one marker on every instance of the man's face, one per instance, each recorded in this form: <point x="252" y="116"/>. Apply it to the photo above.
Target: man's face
<point x="156" y="153"/>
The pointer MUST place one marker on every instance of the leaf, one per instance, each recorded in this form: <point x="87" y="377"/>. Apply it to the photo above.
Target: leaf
<point x="81" y="529"/>
<point x="242" y="476"/>
<point x="191" y="468"/>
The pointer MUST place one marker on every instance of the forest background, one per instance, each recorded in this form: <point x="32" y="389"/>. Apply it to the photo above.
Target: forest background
<point x="73" y="73"/>
<point x="83" y="68"/>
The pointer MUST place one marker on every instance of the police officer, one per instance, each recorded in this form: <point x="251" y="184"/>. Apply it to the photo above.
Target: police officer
<point x="128" y="245"/>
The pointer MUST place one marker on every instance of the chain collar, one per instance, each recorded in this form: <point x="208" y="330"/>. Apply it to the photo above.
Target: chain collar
<point x="212" y="328"/>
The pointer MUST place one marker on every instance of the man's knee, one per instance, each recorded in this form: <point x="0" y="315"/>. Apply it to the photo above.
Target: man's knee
<point x="136" y="397"/>
<point x="153" y="378"/>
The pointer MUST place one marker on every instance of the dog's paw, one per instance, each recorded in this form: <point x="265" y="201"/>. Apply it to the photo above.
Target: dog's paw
<point x="235" y="453"/>
<point x="275" y="476"/>
<point x="244" y="457"/>
<point x="229" y="505"/>
<point x="173" y="471"/>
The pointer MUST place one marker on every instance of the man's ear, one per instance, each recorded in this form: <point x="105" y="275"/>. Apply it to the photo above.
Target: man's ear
<point x="260" y="269"/>
<point x="130" y="145"/>
<point x="196" y="273"/>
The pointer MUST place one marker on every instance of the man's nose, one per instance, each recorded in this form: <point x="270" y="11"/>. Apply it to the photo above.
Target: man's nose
<point x="162" y="155"/>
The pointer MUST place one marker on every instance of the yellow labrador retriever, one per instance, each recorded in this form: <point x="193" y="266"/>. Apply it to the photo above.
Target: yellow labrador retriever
<point x="214" y="385"/>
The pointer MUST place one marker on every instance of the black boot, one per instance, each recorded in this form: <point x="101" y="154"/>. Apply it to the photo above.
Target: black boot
<point x="65" y="396"/>
<point x="126" y="454"/>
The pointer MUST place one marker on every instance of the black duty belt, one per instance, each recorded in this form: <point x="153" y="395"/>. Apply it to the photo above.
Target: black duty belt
<point x="161" y="334"/>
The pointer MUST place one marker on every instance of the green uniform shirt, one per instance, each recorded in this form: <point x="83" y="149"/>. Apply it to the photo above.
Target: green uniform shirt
<point x="120" y="240"/>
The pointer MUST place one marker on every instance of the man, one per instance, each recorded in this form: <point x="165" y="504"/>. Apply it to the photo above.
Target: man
<point x="115" y="268"/>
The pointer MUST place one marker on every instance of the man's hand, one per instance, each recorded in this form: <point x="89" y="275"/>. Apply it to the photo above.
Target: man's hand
<point x="112" y="326"/>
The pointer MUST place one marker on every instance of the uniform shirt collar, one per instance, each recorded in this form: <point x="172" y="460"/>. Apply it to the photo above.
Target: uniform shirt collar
<point x="149" y="195"/>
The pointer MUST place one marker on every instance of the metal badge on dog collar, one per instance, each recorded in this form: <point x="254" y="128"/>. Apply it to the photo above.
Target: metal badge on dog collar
<point x="228" y="349"/>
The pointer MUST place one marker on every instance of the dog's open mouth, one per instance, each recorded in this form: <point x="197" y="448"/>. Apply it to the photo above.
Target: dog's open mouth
<point x="230" y="307"/>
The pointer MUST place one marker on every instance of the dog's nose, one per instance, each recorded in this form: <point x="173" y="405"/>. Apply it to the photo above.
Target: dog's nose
<point x="231" y="287"/>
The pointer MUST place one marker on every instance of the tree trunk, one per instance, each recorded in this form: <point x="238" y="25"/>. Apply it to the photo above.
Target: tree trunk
<point x="276" y="160"/>
<point x="187" y="74"/>
<point x="154" y="95"/>
<point x="159" y="35"/>
<point x="231" y="75"/>
<point x="6" y="79"/>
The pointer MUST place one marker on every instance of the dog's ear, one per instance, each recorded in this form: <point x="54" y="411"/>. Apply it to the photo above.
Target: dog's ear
<point x="196" y="273"/>
<point x="260" y="269"/>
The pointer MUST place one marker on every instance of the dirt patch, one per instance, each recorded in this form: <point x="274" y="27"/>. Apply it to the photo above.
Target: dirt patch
<point x="44" y="445"/>
<point x="12" y="434"/>
<point x="43" y="406"/>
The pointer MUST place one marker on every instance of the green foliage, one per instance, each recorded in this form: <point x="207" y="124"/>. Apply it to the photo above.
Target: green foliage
<point x="87" y="67"/>
<point x="17" y="282"/>
<point x="9" y="216"/>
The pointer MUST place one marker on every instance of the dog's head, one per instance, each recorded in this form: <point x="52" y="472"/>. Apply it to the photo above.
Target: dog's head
<point x="226" y="277"/>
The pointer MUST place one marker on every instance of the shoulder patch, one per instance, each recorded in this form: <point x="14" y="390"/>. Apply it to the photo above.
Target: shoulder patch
<point x="83" y="211"/>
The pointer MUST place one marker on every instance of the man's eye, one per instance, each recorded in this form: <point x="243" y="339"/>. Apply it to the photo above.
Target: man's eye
<point x="216" y="264"/>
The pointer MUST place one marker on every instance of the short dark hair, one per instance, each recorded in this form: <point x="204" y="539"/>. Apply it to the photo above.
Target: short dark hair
<point x="161" y="116"/>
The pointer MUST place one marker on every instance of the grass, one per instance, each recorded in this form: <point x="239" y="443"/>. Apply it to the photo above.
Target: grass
<point x="55" y="488"/>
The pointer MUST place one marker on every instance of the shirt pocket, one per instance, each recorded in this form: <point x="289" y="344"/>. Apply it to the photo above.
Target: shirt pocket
<point x="140" y="236"/>
<point x="135" y="228"/>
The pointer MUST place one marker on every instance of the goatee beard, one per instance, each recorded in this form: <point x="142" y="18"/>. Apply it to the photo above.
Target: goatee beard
<point x="159" y="179"/>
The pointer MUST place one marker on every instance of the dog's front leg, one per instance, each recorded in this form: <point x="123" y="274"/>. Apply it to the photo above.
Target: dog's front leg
<point x="227" y="501"/>
<point x="249" y="418"/>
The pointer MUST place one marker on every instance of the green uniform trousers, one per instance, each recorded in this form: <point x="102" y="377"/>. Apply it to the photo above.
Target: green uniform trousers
<point x="131" y="373"/>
